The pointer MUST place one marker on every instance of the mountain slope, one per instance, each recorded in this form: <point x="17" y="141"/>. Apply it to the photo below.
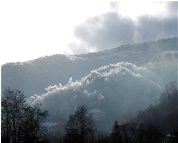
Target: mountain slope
<point x="33" y="76"/>
<point x="110" y="92"/>
<point x="115" y="83"/>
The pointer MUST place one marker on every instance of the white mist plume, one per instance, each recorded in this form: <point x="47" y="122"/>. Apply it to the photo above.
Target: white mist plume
<point x="114" y="90"/>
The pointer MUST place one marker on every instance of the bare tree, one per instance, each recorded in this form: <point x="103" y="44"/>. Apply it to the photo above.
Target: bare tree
<point x="20" y="122"/>
<point x="80" y="126"/>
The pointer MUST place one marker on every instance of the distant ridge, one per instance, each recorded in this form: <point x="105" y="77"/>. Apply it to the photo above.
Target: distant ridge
<point x="35" y="75"/>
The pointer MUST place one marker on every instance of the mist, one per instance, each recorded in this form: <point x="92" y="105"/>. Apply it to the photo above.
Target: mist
<point x="117" y="82"/>
<point x="113" y="91"/>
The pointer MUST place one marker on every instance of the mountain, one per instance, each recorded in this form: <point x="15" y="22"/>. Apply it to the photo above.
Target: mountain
<point x="162" y="116"/>
<point x="33" y="76"/>
<point x="114" y="84"/>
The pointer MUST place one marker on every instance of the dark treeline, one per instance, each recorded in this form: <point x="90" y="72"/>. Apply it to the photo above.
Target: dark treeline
<point x="157" y="124"/>
<point x="20" y="122"/>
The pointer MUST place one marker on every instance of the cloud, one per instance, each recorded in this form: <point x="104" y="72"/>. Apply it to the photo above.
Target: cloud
<point x="112" y="29"/>
<point x="172" y="8"/>
<point x="105" y="31"/>
<point x="153" y="28"/>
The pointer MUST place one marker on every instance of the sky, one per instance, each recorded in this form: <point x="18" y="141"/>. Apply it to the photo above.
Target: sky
<point x="36" y="28"/>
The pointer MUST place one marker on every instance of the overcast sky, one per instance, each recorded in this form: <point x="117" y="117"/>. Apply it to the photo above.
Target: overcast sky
<point x="35" y="28"/>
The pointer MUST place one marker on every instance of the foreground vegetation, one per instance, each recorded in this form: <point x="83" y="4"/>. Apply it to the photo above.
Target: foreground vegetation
<point x="22" y="123"/>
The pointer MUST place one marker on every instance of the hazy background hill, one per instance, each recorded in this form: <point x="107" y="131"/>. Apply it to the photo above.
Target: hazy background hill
<point x="114" y="84"/>
<point x="33" y="76"/>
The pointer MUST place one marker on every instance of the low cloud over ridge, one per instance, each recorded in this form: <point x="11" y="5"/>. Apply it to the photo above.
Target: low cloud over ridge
<point x="112" y="29"/>
<point x="109" y="90"/>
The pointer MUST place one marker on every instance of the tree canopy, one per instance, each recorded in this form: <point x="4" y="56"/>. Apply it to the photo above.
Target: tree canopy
<point x="20" y="122"/>
<point x="80" y="126"/>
